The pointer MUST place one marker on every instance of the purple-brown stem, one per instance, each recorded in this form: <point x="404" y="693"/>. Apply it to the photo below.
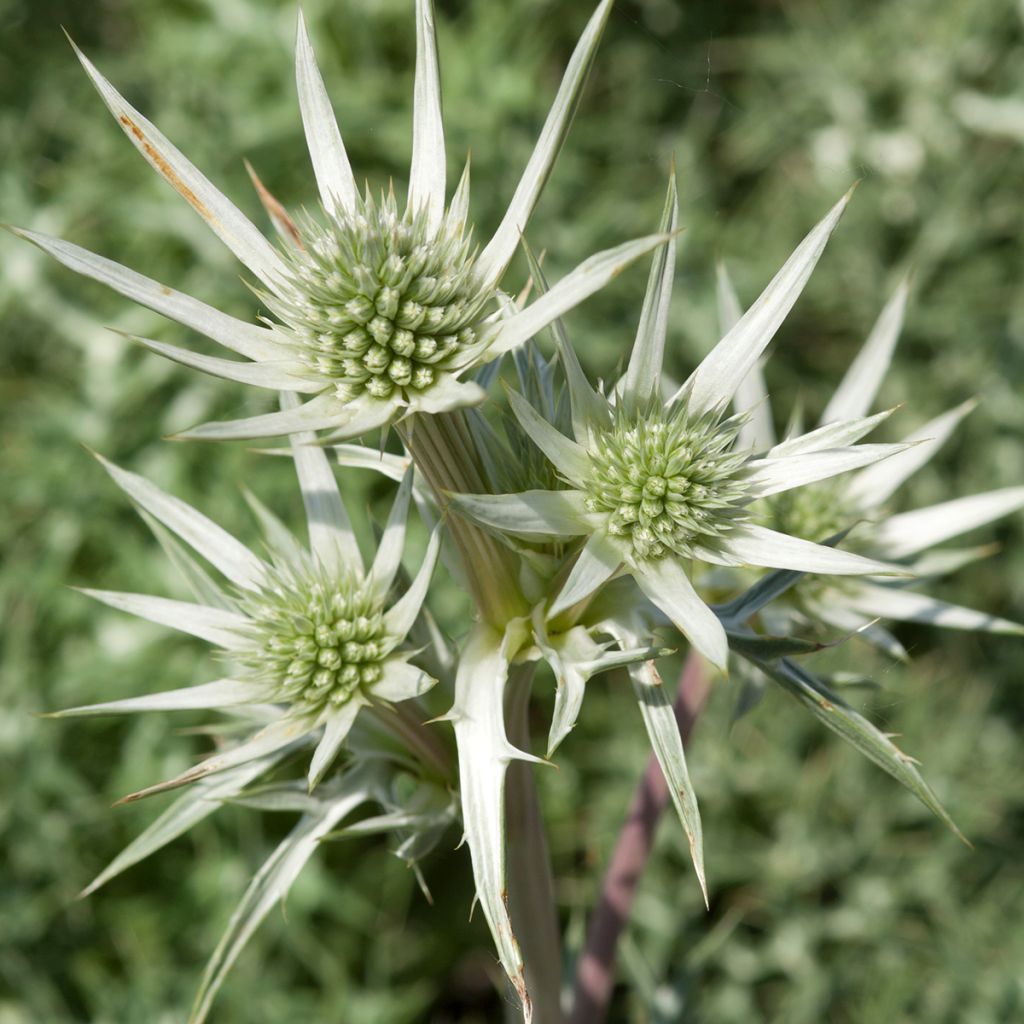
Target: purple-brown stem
<point x="595" y="970"/>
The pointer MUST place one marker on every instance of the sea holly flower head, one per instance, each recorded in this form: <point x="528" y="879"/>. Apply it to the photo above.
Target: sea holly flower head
<point x="311" y="632"/>
<point x="377" y="311"/>
<point x="652" y="483"/>
<point x="861" y="502"/>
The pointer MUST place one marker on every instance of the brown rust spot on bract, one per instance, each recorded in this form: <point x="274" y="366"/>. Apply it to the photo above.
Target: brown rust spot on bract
<point x="165" y="168"/>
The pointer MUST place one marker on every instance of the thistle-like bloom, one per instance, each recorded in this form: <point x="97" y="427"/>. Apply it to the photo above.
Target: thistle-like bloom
<point x="652" y="484"/>
<point x="862" y="501"/>
<point x="309" y="631"/>
<point x="377" y="311"/>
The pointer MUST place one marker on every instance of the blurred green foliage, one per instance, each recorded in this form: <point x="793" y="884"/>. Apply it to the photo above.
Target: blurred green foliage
<point x="834" y="898"/>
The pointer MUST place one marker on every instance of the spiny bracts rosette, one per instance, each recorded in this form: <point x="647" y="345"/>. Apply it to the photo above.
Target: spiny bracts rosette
<point x="378" y="314"/>
<point x="652" y="484"/>
<point x="664" y="482"/>
<point x="310" y="633"/>
<point x="379" y="304"/>
<point x="863" y="500"/>
<point x="318" y="640"/>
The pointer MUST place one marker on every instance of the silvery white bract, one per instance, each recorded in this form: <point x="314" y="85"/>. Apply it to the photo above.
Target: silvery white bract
<point x="654" y="484"/>
<point x="377" y="311"/>
<point x="310" y="637"/>
<point x="862" y="501"/>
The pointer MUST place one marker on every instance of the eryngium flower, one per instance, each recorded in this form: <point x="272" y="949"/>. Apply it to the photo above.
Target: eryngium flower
<point x="310" y="631"/>
<point x="863" y="501"/>
<point x="653" y="483"/>
<point x="377" y="311"/>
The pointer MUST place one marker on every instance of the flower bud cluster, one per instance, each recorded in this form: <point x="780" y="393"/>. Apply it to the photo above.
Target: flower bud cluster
<point x="378" y="303"/>
<point x="316" y="641"/>
<point x="667" y="482"/>
<point x="813" y="513"/>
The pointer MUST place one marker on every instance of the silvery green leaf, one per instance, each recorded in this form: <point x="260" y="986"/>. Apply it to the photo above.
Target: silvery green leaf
<point x="756" y="545"/>
<point x="317" y="414"/>
<point x="187" y="810"/>
<point x="278" y="798"/>
<point x="499" y="251"/>
<point x="219" y="693"/>
<point x="458" y="209"/>
<point x="597" y="563"/>
<point x="588" y="407"/>
<point x="276" y="376"/>
<point x="402" y="681"/>
<point x="714" y="382"/>
<point x="428" y="171"/>
<point x="537" y="515"/>
<point x="399" y="618"/>
<point x="663" y="730"/>
<point x="579" y="284"/>
<point x="359" y="457"/>
<point x="758" y="645"/>
<point x="236" y="335"/>
<point x="217" y="626"/>
<point x="873" y="487"/>
<point x="566" y="455"/>
<point x="667" y="586"/>
<point x="271" y="885"/>
<point x="281" y="540"/>
<point x="331" y="167"/>
<point x="907" y="606"/>
<point x="946" y="560"/>
<point x="331" y="537"/>
<point x="775" y="475"/>
<point x="392" y="541"/>
<point x="447" y="393"/>
<point x="751" y="398"/>
<point x="484" y="755"/>
<point x="910" y="532"/>
<point x="829" y="608"/>
<point x="337" y="723"/>
<point x="279" y="733"/>
<point x="763" y="592"/>
<point x="217" y="546"/>
<point x="832" y="435"/>
<point x="224" y="218"/>
<point x="642" y="381"/>
<point x="858" y="388"/>
<point x="199" y="580"/>
<point x="838" y="716"/>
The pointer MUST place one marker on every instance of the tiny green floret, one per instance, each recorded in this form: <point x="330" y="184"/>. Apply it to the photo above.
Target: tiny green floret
<point x="667" y="481"/>
<point x="377" y="303"/>
<point x="318" y="641"/>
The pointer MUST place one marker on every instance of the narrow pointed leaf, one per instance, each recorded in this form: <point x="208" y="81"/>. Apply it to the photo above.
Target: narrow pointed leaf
<point x="428" y="171"/>
<point x="911" y="532"/>
<point x="217" y="546"/>
<point x="221" y="693"/>
<point x="269" y="887"/>
<point x="337" y="726"/>
<point x="333" y="172"/>
<point x="597" y="563"/>
<point x="317" y="414"/>
<point x="217" y="626"/>
<point x="714" y="382"/>
<point x="392" y="541"/>
<point x="569" y="458"/>
<point x="858" y="388"/>
<point x="838" y="716"/>
<point x="905" y="605"/>
<point x="531" y="514"/>
<point x="499" y="251"/>
<point x="590" y="276"/>
<point x="223" y="217"/>
<point x="331" y="537"/>
<point x="874" y="487"/>
<point x="775" y="475"/>
<point x="667" y="586"/>
<point x="236" y="335"/>
<point x="832" y="435"/>
<point x="400" y="616"/>
<point x="402" y="681"/>
<point x="642" y="381"/>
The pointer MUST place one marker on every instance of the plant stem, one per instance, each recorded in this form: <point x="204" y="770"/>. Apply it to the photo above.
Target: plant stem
<point x="595" y="970"/>
<point x="408" y="726"/>
<point x="443" y="451"/>
<point x="531" y="887"/>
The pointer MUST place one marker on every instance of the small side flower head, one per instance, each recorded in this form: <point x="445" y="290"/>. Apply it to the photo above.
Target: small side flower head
<point x="652" y="483"/>
<point x="311" y="632"/>
<point x="378" y="312"/>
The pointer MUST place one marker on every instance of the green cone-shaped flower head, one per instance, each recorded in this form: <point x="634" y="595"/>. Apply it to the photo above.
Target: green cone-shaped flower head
<point x="380" y="304"/>
<point x="319" y="640"/>
<point x="666" y="480"/>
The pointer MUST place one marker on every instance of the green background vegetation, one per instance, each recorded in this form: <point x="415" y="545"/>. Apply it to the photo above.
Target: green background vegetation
<point x="834" y="897"/>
